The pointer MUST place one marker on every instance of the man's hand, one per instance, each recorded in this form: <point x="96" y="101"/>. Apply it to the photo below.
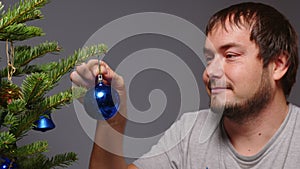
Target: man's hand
<point x="85" y="75"/>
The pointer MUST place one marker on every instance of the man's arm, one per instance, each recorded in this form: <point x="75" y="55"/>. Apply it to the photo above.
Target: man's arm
<point x="100" y="158"/>
<point x="107" y="152"/>
<point x="108" y="145"/>
<point x="132" y="166"/>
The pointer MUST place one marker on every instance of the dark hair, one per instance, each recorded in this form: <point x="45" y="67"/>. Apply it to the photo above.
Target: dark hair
<point x="270" y="30"/>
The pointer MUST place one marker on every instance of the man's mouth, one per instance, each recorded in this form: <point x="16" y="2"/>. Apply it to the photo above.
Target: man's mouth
<point x="215" y="90"/>
<point x="219" y="89"/>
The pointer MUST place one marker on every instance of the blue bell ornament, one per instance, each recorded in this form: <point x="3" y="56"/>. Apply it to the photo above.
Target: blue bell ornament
<point x="44" y="123"/>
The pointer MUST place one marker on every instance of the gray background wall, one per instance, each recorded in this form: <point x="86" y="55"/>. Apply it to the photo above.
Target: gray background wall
<point x="72" y="22"/>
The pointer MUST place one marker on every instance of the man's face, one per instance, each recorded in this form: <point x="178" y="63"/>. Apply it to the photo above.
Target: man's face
<point x="234" y="75"/>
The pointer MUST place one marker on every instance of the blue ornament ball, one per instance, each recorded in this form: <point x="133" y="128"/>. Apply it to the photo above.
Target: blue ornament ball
<point x="6" y="163"/>
<point x="102" y="102"/>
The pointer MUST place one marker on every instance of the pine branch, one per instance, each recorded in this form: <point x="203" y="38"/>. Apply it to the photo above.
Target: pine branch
<point x="6" y="139"/>
<point x="40" y="161"/>
<point x="20" y="32"/>
<point x="23" y="70"/>
<point x="17" y="106"/>
<point x="60" y="160"/>
<point x="34" y="162"/>
<point x="25" y="122"/>
<point x="31" y="149"/>
<point x="25" y="54"/>
<point x="33" y="15"/>
<point x="22" y="12"/>
<point x="34" y="87"/>
<point x="56" y="101"/>
<point x="28" y="69"/>
<point x="10" y="121"/>
<point x="27" y="118"/>
<point x="65" y="65"/>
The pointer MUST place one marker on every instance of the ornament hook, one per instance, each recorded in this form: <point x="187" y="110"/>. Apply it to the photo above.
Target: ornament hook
<point x="99" y="77"/>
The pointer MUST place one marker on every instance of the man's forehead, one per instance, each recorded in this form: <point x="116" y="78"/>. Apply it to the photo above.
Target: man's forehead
<point x="225" y="36"/>
<point x="231" y="23"/>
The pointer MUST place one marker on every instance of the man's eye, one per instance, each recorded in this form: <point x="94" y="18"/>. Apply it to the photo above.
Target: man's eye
<point x="231" y="56"/>
<point x="208" y="58"/>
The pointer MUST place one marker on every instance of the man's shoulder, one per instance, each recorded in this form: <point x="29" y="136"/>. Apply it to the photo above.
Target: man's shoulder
<point x="294" y="107"/>
<point x="198" y="116"/>
<point x="200" y="113"/>
<point x="193" y="120"/>
<point x="294" y="113"/>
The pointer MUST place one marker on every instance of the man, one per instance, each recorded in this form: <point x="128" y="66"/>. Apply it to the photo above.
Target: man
<point x="252" y="60"/>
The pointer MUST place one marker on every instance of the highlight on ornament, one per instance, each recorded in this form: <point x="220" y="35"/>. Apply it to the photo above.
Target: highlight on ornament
<point x="6" y="163"/>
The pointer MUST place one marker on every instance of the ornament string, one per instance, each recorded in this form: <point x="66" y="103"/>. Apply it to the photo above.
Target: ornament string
<point x="99" y="68"/>
<point x="10" y="60"/>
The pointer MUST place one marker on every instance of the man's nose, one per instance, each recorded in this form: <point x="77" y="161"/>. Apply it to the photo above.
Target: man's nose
<point x="215" y="68"/>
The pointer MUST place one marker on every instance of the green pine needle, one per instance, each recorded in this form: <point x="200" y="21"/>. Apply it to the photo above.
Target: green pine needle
<point x="17" y="106"/>
<point x="20" y="32"/>
<point x="60" y="160"/>
<point x="6" y="139"/>
<point x="23" y="11"/>
<point x="31" y="149"/>
<point x="25" y="123"/>
<point x="32" y="15"/>
<point x="56" y="101"/>
<point x="10" y="121"/>
<point x="25" y="54"/>
<point x="32" y="162"/>
<point x="34" y="87"/>
<point x="65" y="65"/>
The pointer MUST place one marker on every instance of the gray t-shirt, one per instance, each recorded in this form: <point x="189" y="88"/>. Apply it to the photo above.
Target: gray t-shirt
<point x="282" y="150"/>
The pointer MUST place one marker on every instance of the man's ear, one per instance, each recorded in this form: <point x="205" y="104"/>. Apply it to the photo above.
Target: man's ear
<point x="280" y="66"/>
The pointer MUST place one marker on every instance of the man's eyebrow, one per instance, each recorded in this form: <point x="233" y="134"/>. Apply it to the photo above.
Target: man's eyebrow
<point x="223" y="47"/>
<point x="207" y="50"/>
<point x="230" y="45"/>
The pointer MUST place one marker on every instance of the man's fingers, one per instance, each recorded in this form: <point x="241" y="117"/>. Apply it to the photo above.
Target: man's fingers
<point x="85" y="75"/>
<point x="93" y="65"/>
<point x="84" y="72"/>
<point x="79" y="80"/>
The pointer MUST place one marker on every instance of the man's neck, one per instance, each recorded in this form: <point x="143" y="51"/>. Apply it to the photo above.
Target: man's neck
<point x="250" y="137"/>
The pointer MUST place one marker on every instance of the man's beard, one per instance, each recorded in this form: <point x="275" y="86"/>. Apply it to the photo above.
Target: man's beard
<point x="250" y="108"/>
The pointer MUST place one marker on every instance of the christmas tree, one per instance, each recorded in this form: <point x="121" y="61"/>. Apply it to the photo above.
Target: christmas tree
<point x="22" y="105"/>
